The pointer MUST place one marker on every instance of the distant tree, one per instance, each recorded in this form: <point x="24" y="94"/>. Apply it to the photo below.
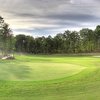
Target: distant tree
<point x="20" y="43"/>
<point x="66" y="43"/>
<point x="49" y="45"/>
<point x="58" y="41"/>
<point x="6" y="45"/>
<point x="29" y="47"/>
<point x="74" y="42"/>
<point x="88" y="40"/>
<point x="97" y="39"/>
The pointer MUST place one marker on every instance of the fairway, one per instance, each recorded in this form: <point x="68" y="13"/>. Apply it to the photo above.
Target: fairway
<point x="45" y="77"/>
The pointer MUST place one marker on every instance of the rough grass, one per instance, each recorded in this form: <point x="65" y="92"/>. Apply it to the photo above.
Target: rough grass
<point x="50" y="78"/>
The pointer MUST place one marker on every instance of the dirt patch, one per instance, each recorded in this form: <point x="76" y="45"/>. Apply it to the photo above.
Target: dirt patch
<point x="9" y="57"/>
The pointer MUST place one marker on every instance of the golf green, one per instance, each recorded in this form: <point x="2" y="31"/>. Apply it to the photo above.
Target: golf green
<point x="45" y="77"/>
<point x="37" y="71"/>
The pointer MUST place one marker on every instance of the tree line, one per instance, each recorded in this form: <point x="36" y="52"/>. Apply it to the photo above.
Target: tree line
<point x="84" y="41"/>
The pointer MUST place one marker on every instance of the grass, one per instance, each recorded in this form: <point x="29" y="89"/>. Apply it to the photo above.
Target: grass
<point x="50" y="78"/>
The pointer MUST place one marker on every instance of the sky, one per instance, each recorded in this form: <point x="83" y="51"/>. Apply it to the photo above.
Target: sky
<point x="49" y="17"/>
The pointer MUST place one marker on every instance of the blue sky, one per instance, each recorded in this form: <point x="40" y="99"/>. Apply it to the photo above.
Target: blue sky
<point x="49" y="17"/>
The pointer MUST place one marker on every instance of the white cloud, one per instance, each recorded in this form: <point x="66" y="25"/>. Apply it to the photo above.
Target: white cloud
<point x="44" y="17"/>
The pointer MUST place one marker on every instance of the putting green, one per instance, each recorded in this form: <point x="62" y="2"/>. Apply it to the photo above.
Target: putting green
<point x="29" y="71"/>
<point x="70" y="78"/>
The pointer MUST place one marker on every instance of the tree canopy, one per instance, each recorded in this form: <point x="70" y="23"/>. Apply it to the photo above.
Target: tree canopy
<point x="84" y="41"/>
<point x="6" y="36"/>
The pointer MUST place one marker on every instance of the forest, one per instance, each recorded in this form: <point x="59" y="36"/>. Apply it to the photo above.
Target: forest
<point x="84" y="41"/>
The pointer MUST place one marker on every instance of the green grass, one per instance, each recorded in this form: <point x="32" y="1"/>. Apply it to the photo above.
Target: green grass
<point x="50" y="78"/>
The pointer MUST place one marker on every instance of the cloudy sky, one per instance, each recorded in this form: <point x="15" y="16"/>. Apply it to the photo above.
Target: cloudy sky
<point x="48" y="17"/>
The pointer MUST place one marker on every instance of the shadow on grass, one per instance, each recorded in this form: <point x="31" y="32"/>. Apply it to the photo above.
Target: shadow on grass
<point x="14" y="72"/>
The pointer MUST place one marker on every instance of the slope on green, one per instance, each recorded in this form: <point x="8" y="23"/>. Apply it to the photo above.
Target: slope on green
<point x="50" y="78"/>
